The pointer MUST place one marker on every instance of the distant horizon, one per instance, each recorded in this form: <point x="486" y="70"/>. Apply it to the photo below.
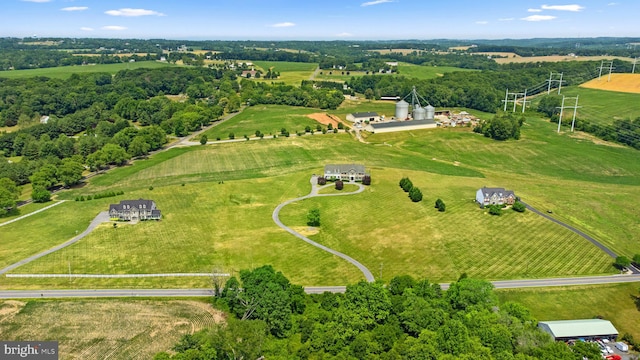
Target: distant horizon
<point x="287" y="20"/>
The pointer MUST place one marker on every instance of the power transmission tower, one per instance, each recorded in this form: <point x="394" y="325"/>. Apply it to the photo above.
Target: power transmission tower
<point x="633" y="71"/>
<point x="602" y="67"/>
<point x="552" y="80"/>
<point x="524" y="101"/>
<point x="575" y="110"/>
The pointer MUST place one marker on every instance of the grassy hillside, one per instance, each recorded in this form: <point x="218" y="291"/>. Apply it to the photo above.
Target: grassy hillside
<point x="425" y="72"/>
<point x="221" y="216"/>
<point x="291" y="73"/>
<point x="64" y="72"/>
<point x="616" y="302"/>
<point x="603" y="107"/>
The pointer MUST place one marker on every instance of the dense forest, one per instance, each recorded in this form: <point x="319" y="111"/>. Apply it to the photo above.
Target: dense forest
<point x="408" y="319"/>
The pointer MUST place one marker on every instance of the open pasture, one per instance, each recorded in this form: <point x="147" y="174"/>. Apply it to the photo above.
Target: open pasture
<point x="425" y="72"/>
<point x="627" y="83"/>
<point x="613" y="302"/>
<point x="222" y="215"/>
<point x="269" y="119"/>
<point x="291" y="73"/>
<point x="106" y="329"/>
<point x="64" y="72"/>
<point x="603" y="107"/>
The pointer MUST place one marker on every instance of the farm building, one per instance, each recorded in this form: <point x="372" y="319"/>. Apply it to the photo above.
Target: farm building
<point x="134" y="210"/>
<point x="495" y="196"/>
<point x="344" y="172"/>
<point x="588" y="329"/>
<point x="392" y="126"/>
<point x="363" y="116"/>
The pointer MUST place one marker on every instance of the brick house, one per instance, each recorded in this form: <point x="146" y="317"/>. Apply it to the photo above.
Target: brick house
<point x="495" y="196"/>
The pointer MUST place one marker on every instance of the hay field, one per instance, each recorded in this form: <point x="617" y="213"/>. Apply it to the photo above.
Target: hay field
<point x="106" y="329"/>
<point x="554" y="58"/>
<point x="629" y="83"/>
<point x="64" y="72"/>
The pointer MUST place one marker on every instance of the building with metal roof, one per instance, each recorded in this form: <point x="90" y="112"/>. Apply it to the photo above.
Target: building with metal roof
<point x="392" y="126"/>
<point x="587" y="329"/>
<point x="363" y="116"/>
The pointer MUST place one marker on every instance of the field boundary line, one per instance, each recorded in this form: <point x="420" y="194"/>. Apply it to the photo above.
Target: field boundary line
<point x="314" y="193"/>
<point x="32" y="213"/>
<point x="114" y="276"/>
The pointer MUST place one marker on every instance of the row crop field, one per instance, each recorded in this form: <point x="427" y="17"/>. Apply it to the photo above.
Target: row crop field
<point x="64" y="72"/>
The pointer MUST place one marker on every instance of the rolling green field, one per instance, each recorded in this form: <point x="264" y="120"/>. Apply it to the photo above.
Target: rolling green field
<point x="210" y="224"/>
<point x="269" y="119"/>
<point x="603" y="107"/>
<point x="291" y="73"/>
<point x="612" y="302"/>
<point x="425" y="72"/>
<point x="64" y="72"/>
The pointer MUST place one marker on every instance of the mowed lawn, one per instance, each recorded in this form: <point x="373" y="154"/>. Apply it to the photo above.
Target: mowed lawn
<point x="616" y="302"/>
<point x="64" y="72"/>
<point x="291" y="73"/>
<point x="99" y="329"/>
<point x="602" y="106"/>
<point x="382" y="227"/>
<point x="269" y="119"/>
<point x="424" y="72"/>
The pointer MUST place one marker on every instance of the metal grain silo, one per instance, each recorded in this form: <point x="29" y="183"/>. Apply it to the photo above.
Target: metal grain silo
<point x="419" y="113"/>
<point x="402" y="110"/>
<point x="431" y="112"/>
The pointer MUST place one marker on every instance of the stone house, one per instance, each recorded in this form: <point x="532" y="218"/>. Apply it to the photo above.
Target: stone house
<point x="344" y="172"/>
<point x="495" y="196"/>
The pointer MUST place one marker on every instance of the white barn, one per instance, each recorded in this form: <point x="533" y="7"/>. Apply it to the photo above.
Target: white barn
<point x="363" y="116"/>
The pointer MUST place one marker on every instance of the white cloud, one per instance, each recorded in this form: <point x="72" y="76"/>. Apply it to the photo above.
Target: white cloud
<point x="283" y="24"/>
<point x="506" y="19"/>
<point x="37" y="1"/>
<point x="84" y="28"/>
<point x="114" y="28"/>
<point x="538" y="18"/>
<point x="344" y="34"/>
<point x="573" y="7"/>
<point x="376" y="2"/>
<point x="482" y="22"/>
<point x="128" y="12"/>
<point x="534" y="10"/>
<point x="75" y="8"/>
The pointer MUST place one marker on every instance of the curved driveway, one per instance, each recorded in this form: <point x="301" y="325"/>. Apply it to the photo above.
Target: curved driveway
<point x="99" y="219"/>
<point x="314" y="192"/>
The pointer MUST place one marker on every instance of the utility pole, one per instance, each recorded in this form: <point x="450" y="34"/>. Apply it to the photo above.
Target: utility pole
<point x="552" y="80"/>
<point x="602" y="67"/>
<point x="507" y="100"/>
<point x="560" y="118"/>
<point x="610" y="69"/>
<point x="633" y="71"/>
<point x="575" y="110"/>
<point x="524" y="101"/>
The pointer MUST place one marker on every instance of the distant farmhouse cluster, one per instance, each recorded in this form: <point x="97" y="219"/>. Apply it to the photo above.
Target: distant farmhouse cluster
<point x="495" y="196"/>
<point x="134" y="210"/>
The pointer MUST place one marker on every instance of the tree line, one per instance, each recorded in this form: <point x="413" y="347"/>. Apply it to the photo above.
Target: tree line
<point x="407" y="319"/>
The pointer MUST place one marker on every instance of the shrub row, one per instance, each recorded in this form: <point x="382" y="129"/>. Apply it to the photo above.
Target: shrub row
<point x="99" y="195"/>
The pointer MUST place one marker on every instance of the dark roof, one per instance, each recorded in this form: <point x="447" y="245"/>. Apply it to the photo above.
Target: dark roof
<point x="365" y="114"/>
<point x="392" y="124"/>
<point x="490" y="191"/>
<point x="344" y="168"/>
<point x="140" y="203"/>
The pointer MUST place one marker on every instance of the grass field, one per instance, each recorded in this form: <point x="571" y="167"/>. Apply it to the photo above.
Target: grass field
<point x="603" y="107"/>
<point x="106" y="329"/>
<point x="425" y="72"/>
<point x="552" y="58"/>
<point x="593" y="187"/>
<point x="628" y="83"/>
<point x="63" y="72"/>
<point x="269" y="119"/>
<point x="291" y="73"/>
<point x="612" y="302"/>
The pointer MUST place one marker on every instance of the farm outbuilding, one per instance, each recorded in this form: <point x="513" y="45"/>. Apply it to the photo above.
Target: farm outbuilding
<point x="392" y="126"/>
<point x="363" y="116"/>
<point x="587" y="329"/>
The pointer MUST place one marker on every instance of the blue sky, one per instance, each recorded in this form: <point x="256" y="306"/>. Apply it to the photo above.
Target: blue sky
<point x="319" y="20"/>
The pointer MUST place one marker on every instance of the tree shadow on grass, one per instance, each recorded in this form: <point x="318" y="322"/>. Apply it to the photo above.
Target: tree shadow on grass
<point x="636" y="300"/>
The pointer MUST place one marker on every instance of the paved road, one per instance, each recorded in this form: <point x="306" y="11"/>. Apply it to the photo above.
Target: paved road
<point x="589" y="238"/>
<point x="314" y="192"/>
<point x="32" y="213"/>
<point x="99" y="219"/>
<point x="127" y="293"/>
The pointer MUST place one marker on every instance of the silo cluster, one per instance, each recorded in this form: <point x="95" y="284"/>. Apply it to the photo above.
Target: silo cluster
<point x="402" y="110"/>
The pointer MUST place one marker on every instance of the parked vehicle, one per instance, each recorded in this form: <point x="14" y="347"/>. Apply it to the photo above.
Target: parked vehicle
<point x="622" y="346"/>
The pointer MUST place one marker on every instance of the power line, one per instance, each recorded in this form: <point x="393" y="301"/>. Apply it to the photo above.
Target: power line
<point x="552" y="80"/>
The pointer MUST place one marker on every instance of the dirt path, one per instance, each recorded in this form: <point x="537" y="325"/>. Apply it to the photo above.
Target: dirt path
<point x="32" y="213"/>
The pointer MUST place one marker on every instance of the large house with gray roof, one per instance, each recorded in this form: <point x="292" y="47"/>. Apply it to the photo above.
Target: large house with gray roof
<point x="134" y="210"/>
<point x="344" y="172"/>
<point x="495" y="196"/>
